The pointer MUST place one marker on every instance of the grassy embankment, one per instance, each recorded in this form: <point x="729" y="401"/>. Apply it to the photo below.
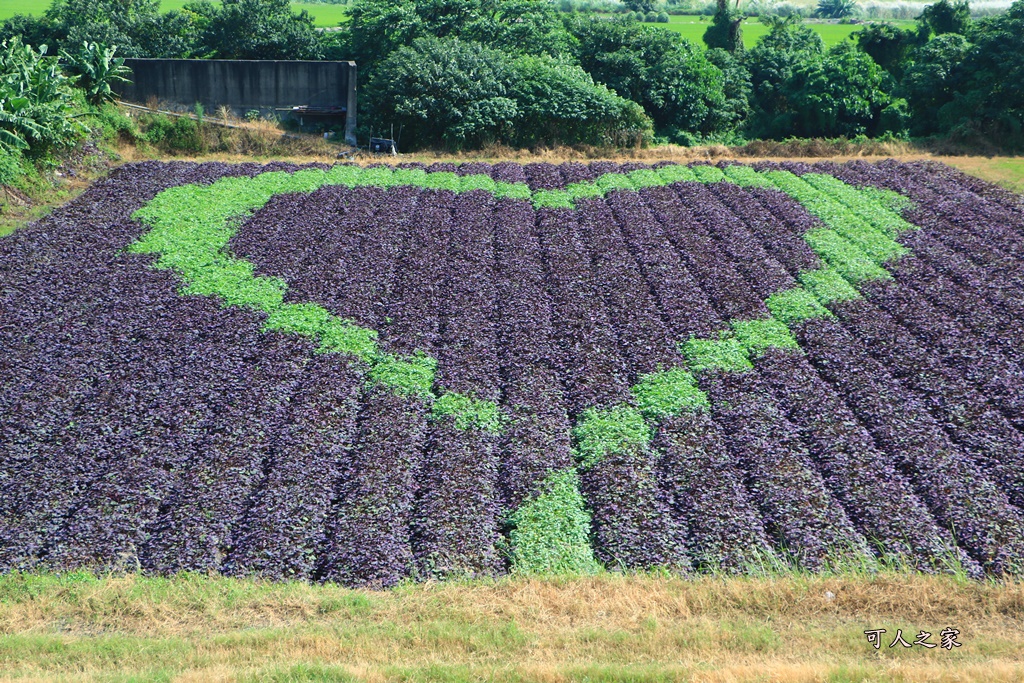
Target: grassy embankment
<point x="608" y="628"/>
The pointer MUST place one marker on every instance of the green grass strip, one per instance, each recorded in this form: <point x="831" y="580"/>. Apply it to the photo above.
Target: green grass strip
<point x="668" y="393"/>
<point x="877" y="244"/>
<point x="828" y="285"/>
<point x="644" y="177"/>
<point x="409" y="376"/>
<point x="551" y="530"/>
<point x="745" y="176"/>
<point x="793" y="306"/>
<point x="757" y="336"/>
<point x="876" y="206"/>
<point x="601" y="432"/>
<point x="553" y="199"/>
<point x="726" y="353"/>
<point x="676" y="173"/>
<point x="845" y="257"/>
<point x="708" y="174"/>
<point x="467" y="412"/>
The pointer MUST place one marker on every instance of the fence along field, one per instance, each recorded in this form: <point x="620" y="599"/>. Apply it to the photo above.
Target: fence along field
<point x="365" y="375"/>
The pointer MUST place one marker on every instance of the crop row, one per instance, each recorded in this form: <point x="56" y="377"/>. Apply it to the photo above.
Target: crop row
<point x="716" y="368"/>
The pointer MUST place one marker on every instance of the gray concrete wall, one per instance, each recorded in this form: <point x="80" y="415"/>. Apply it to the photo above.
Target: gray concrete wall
<point x="244" y="85"/>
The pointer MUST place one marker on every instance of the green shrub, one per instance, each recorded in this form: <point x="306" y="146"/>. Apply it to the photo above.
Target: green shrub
<point x="175" y="135"/>
<point x="10" y="166"/>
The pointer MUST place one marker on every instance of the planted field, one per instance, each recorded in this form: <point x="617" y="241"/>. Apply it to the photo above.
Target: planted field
<point x="366" y="375"/>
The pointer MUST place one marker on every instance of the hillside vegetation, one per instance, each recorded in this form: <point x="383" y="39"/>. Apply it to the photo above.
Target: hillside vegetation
<point x="460" y="75"/>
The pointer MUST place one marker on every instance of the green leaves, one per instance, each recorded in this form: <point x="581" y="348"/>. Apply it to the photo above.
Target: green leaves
<point x="467" y="412"/>
<point x="36" y="100"/>
<point x="601" y="431"/>
<point x="550" y="531"/>
<point x="97" y="69"/>
<point x="725" y="353"/>
<point x="666" y="394"/>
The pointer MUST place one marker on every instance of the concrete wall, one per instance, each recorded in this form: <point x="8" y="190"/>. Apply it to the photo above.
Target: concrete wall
<point x="244" y="85"/>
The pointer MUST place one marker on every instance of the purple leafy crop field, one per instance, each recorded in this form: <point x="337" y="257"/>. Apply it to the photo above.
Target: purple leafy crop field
<point x="371" y="375"/>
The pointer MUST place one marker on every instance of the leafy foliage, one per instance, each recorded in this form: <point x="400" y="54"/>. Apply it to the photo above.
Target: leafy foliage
<point x="873" y="416"/>
<point x="726" y="29"/>
<point x="945" y="17"/>
<point x="36" y="100"/>
<point x="668" y="76"/>
<point x="260" y="29"/>
<point x="835" y="9"/>
<point x="550" y="532"/>
<point x="97" y="69"/>
<point x="467" y="95"/>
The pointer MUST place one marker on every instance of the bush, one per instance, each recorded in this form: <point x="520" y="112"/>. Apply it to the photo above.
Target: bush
<point x="560" y="102"/>
<point x="668" y="76"/>
<point x="10" y="166"/>
<point x="115" y="126"/>
<point x="843" y="95"/>
<point x="662" y="17"/>
<point x="175" y="135"/>
<point x="97" y="70"/>
<point x="462" y="95"/>
<point x="651" y="17"/>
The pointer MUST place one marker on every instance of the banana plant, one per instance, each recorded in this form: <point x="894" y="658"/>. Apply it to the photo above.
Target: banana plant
<point x="97" y="69"/>
<point x="36" y="100"/>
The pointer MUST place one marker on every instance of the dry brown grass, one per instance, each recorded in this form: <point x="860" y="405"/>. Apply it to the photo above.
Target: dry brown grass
<point x="600" y="628"/>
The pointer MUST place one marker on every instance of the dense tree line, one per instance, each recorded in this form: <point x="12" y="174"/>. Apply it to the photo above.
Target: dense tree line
<point x="462" y="73"/>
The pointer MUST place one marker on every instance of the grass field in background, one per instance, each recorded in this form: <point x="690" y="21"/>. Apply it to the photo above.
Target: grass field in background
<point x="329" y="16"/>
<point x="325" y="15"/>
<point x="787" y="629"/>
<point x="692" y="28"/>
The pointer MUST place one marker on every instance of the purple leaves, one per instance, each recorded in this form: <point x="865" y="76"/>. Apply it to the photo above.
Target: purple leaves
<point x="147" y="429"/>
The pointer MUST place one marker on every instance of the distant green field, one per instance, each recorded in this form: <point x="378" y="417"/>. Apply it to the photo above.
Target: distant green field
<point x="692" y="28"/>
<point x="324" y="15"/>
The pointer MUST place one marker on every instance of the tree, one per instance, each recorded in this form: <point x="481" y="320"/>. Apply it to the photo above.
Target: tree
<point x="835" y="9"/>
<point x="97" y="70"/>
<point x="987" y="101"/>
<point x="108" y="22"/>
<point x="462" y="94"/>
<point x="378" y="27"/>
<point x="260" y="29"/>
<point x="37" y="109"/>
<point x="30" y="30"/>
<point x="945" y="17"/>
<point x="774" y="62"/>
<point x="726" y="29"/>
<point x="560" y="102"/>
<point x="179" y="33"/>
<point x="888" y="45"/>
<point x="643" y="6"/>
<point x="842" y="94"/>
<point x="444" y="90"/>
<point x="930" y="81"/>
<point x="733" y="113"/>
<point x="668" y="76"/>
